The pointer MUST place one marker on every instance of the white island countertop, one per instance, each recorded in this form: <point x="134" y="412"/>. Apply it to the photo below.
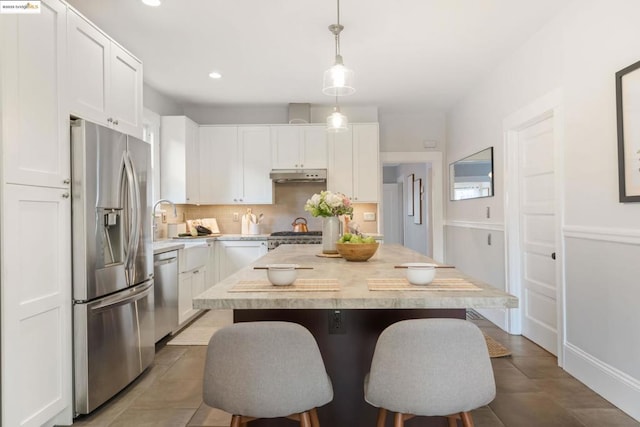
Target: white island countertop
<point x="353" y="278"/>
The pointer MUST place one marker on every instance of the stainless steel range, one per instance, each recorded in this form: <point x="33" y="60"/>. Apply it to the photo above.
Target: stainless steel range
<point x="293" y="238"/>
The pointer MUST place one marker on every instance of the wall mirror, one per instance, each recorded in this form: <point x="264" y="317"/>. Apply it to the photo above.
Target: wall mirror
<point x="472" y="177"/>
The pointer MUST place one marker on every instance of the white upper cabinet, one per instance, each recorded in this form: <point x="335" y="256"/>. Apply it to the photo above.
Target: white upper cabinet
<point x="235" y="162"/>
<point x="255" y="151"/>
<point x="354" y="163"/>
<point x="219" y="157"/>
<point x="105" y="81"/>
<point x="366" y="163"/>
<point x="34" y="117"/>
<point x="298" y="147"/>
<point x="179" y="160"/>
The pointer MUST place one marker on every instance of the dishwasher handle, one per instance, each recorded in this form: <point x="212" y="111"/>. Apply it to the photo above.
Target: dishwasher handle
<point x="165" y="261"/>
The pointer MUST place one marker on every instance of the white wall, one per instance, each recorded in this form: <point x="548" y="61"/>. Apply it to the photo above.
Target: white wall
<point x="579" y="52"/>
<point x="158" y="102"/>
<point x="408" y="130"/>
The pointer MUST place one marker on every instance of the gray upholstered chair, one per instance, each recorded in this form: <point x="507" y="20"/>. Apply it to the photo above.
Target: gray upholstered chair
<point x="430" y="367"/>
<point x="266" y="370"/>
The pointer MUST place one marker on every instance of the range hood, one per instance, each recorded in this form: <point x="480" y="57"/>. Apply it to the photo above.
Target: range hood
<point x="298" y="175"/>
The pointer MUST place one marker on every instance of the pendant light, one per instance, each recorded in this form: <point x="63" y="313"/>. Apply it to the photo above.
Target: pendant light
<point x="338" y="80"/>
<point x="336" y="121"/>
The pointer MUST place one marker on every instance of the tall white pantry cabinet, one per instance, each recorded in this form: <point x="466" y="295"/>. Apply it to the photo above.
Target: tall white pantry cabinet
<point x="42" y="83"/>
<point x="35" y="247"/>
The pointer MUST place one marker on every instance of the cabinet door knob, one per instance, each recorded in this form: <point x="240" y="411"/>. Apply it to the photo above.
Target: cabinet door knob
<point x="301" y="165"/>
<point x="115" y="122"/>
<point x="109" y="120"/>
<point x="66" y="181"/>
<point x="65" y="195"/>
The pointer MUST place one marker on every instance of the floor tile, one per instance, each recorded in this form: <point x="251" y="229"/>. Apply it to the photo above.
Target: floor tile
<point x="539" y="367"/>
<point x="181" y="393"/>
<point x="209" y="417"/>
<point x="485" y="417"/>
<point x="153" y="418"/>
<point x="571" y="393"/>
<point x="169" y="354"/>
<point x="604" y="417"/>
<point x="531" y="410"/>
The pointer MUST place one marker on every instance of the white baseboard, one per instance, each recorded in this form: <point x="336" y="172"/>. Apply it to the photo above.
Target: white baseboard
<point x="615" y="386"/>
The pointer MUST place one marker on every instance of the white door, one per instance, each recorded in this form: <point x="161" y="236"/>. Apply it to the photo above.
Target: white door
<point x="392" y="206"/>
<point x="537" y="220"/>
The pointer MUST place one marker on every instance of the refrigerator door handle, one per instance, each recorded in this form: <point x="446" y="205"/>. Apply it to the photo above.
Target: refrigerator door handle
<point x="132" y="216"/>
<point x="137" y="222"/>
<point x="135" y="294"/>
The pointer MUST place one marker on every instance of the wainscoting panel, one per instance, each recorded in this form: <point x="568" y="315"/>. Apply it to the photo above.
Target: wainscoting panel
<point x="602" y="344"/>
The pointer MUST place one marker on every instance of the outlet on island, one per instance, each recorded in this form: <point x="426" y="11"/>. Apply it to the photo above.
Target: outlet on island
<point x="336" y="322"/>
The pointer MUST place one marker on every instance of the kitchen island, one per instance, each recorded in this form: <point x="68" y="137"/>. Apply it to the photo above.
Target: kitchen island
<point x="346" y="322"/>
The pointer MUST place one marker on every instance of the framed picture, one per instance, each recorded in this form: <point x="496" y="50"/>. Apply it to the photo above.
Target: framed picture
<point x="410" y="195"/>
<point x="417" y="201"/>
<point x="628" y="113"/>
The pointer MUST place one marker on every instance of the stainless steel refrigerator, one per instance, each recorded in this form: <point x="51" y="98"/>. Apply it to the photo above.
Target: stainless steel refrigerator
<point x="113" y="322"/>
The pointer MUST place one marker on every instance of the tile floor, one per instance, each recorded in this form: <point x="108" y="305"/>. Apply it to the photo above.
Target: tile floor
<point x="531" y="391"/>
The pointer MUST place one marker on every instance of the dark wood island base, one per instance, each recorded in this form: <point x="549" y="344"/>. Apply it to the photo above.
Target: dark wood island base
<point x="346" y="339"/>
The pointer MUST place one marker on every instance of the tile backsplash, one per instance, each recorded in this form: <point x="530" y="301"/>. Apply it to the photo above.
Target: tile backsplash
<point x="289" y="200"/>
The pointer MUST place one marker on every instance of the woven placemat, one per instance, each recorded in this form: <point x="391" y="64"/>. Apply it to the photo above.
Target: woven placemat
<point x="495" y="348"/>
<point x="300" y="285"/>
<point x="438" y="284"/>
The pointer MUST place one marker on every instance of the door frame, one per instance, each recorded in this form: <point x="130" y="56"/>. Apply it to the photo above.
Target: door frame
<point x="436" y="210"/>
<point x="547" y="106"/>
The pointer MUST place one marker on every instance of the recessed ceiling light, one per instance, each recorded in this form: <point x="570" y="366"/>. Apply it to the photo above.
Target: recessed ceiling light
<point x="153" y="3"/>
<point x="215" y="75"/>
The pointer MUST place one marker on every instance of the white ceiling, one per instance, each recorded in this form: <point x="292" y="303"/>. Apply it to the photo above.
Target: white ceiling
<point x="407" y="54"/>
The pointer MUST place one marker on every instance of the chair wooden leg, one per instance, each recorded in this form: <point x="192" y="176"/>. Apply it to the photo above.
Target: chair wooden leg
<point x="235" y="421"/>
<point x="398" y="420"/>
<point x="453" y="420"/>
<point x="315" y="421"/>
<point x="382" y="417"/>
<point x="305" y="419"/>
<point x="467" y="421"/>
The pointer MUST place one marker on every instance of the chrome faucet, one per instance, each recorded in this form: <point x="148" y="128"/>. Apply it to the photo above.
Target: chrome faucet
<point x="153" y="212"/>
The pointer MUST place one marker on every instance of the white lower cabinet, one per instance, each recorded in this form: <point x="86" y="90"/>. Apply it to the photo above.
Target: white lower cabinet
<point x="192" y="262"/>
<point x="236" y="254"/>
<point x="36" y="306"/>
<point x="211" y="275"/>
<point x="190" y="285"/>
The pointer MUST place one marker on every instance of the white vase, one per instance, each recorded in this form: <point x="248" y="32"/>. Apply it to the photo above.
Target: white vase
<point x="330" y="234"/>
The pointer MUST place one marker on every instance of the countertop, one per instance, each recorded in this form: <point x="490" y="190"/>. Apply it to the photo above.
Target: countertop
<point x="165" y="245"/>
<point x="352" y="276"/>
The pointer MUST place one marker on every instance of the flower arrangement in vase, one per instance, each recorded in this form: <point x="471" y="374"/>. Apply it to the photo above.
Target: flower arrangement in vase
<point x="329" y="205"/>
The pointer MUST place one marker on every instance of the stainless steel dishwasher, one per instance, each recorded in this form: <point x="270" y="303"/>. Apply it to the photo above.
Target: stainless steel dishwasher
<point x="165" y="271"/>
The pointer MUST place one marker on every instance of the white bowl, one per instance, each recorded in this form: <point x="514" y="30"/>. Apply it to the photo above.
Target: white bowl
<point x="420" y="273"/>
<point x="281" y="274"/>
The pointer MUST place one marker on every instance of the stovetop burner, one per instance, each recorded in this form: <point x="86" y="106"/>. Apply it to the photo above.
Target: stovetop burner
<point x="297" y="233"/>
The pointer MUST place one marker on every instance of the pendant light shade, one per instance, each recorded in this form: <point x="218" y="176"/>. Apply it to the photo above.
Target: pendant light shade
<point x="338" y="80"/>
<point x="337" y="122"/>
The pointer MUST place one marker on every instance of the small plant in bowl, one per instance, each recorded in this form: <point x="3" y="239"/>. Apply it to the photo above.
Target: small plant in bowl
<point x="355" y="247"/>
